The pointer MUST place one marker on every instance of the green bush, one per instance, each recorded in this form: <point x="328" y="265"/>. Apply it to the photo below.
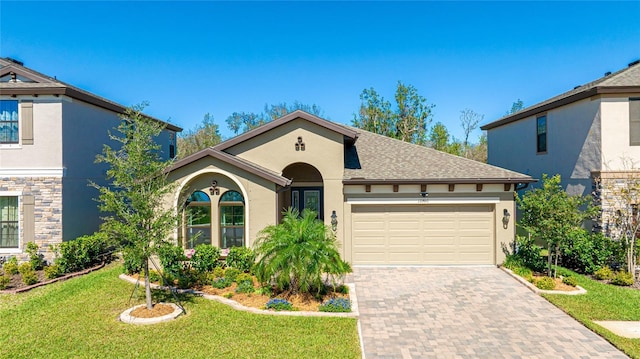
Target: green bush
<point x="29" y="277"/>
<point x="244" y="278"/>
<point x="245" y="287"/>
<point x="231" y="274"/>
<point x="336" y="305"/>
<point x="205" y="258"/>
<point x="171" y="258"/>
<point x="221" y="283"/>
<point x="529" y="253"/>
<point x="132" y="262"/>
<point x="343" y="289"/>
<point x="572" y="281"/>
<point x="154" y="277"/>
<point x="25" y="267"/>
<point x="604" y="273"/>
<point x="586" y="252"/>
<point x="52" y="271"/>
<point x="11" y="266"/>
<point x="218" y="272"/>
<point x="298" y="252"/>
<point x="524" y="272"/>
<point x="35" y="258"/>
<point x="623" y="279"/>
<point x="546" y="283"/>
<point x="187" y="279"/>
<point x="241" y="258"/>
<point x="512" y="261"/>
<point x="4" y="281"/>
<point x="84" y="252"/>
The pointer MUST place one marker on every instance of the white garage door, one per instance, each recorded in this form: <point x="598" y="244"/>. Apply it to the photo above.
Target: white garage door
<point x="430" y="235"/>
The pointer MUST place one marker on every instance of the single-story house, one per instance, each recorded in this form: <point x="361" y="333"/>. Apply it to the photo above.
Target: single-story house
<point x="389" y="202"/>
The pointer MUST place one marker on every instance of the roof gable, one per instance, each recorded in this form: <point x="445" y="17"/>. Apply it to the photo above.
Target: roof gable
<point x="349" y="134"/>
<point x="623" y="81"/>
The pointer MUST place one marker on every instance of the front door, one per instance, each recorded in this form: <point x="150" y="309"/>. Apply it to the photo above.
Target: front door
<point x="307" y="198"/>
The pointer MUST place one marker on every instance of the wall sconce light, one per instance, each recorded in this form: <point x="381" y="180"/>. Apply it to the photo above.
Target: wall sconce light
<point x="300" y="144"/>
<point x="505" y="218"/>
<point x="214" y="190"/>
<point x="334" y="221"/>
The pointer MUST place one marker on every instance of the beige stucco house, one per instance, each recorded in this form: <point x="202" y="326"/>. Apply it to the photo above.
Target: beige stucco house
<point x="50" y="134"/>
<point x="389" y="202"/>
<point x="589" y="132"/>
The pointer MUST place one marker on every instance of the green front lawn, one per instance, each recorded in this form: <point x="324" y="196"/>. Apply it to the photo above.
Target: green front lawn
<point x="603" y="302"/>
<point x="78" y="318"/>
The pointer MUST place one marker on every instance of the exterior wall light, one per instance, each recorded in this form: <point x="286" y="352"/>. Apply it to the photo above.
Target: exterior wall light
<point x="334" y="221"/>
<point x="214" y="190"/>
<point x="299" y="145"/>
<point x="505" y="218"/>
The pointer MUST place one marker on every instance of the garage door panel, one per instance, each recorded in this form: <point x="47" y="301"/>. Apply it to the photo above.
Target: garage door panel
<point x="452" y="234"/>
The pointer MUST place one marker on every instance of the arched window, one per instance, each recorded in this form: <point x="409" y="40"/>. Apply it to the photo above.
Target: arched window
<point x="198" y="219"/>
<point x="231" y="220"/>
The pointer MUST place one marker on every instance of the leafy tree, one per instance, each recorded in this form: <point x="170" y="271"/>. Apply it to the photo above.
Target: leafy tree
<point x="408" y="122"/>
<point x="440" y="140"/>
<point x="133" y="201"/>
<point x="296" y="253"/>
<point x="204" y="135"/>
<point x="240" y="122"/>
<point x="515" y="107"/>
<point x="551" y="215"/>
<point x="478" y="151"/>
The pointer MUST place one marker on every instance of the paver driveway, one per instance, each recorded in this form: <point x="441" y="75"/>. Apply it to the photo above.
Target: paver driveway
<point x="465" y="312"/>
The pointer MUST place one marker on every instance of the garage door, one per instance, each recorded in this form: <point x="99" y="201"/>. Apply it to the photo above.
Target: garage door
<point x="428" y="235"/>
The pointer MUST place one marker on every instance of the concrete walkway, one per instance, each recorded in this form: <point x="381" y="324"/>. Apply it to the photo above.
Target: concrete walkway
<point x="465" y="312"/>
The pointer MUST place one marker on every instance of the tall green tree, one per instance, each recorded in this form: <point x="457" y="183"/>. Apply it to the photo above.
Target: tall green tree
<point x="441" y="140"/>
<point x="407" y="121"/>
<point x="133" y="201"/>
<point x="551" y="215"/>
<point x="515" y="107"/>
<point x="240" y="122"/>
<point x="204" y="135"/>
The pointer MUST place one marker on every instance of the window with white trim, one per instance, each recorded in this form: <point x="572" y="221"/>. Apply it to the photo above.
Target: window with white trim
<point x="9" y="127"/>
<point x="8" y="221"/>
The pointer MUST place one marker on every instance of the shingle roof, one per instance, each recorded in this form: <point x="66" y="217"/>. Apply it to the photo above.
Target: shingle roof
<point x="625" y="80"/>
<point x="46" y="85"/>
<point x="376" y="158"/>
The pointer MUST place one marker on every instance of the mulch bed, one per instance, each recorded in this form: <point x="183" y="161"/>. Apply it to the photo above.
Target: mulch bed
<point x="158" y="310"/>
<point x="17" y="286"/>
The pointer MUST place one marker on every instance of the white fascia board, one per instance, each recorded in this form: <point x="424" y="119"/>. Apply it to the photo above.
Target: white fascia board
<point x="32" y="172"/>
<point x="425" y="201"/>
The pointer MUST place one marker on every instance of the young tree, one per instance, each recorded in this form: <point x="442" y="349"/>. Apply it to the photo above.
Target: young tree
<point x="469" y="120"/>
<point x="204" y="135"/>
<point x="620" y="208"/>
<point x="515" y="107"/>
<point x="408" y="122"/>
<point x="440" y="140"/>
<point x="133" y="201"/>
<point x="551" y="215"/>
<point x="240" y="122"/>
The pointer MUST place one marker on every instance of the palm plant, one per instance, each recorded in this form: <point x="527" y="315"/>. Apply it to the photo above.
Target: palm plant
<point x="296" y="253"/>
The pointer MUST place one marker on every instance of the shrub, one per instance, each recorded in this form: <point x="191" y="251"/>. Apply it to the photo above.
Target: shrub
<point x="546" y="283"/>
<point x="586" y="252"/>
<point x="298" y="252"/>
<point x="529" y="253"/>
<point x="228" y="295"/>
<point x="279" y="304"/>
<point x="187" y="279"/>
<point x="231" y="274"/>
<point x="218" y="272"/>
<point x="242" y="258"/>
<point x="245" y="287"/>
<point x="221" y="283"/>
<point x="29" y="276"/>
<point x="4" y="281"/>
<point x="343" y="289"/>
<point x="154" y="276"/>
<point x="264" y="290"/>
<point x="35" y="258"/>
<point x="604" y="273"/>
<point x="83" y="252"/>
<point x="523" y="272"/>
<point x="25" y="267"/>
<point x="132" y="262"/>
<point x="512" y="261"/>
<point x="205" y="257"/>
<point x="342" y="305"/>
<point x="11" y="266"/>
<point x="52" y="271"/>
<point x="244" y="278"/>
<point x="623" y="279"/>
<point x="572" y="281"/>
<point x="171" y="258"/>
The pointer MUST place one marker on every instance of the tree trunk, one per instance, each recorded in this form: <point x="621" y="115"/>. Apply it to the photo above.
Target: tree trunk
<point x="147" y="285"/>
<point x="549" y="251"/>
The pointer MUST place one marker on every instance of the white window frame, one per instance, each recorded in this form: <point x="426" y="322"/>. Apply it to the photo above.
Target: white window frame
<point x="19" y="195"/>
<point x="19" y="143"/>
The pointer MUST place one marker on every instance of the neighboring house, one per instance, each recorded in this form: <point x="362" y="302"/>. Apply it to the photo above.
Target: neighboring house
<point x="590" y="132"/>
<point x="50" y="134"/>
<point x="389" y="202"/>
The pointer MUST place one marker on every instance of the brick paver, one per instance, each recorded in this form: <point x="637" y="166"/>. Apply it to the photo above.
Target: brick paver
<point x="465" y="312"/>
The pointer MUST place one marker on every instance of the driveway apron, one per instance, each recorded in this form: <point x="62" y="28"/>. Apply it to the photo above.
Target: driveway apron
<point x="464" y="312"/>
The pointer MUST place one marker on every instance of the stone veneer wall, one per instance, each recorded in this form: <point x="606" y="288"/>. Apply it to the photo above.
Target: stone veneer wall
<point x="606" y="185"/>
<point x="47" y="193"/>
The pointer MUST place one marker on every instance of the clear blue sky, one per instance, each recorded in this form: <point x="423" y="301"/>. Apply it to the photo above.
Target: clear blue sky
<point x="192" y="58"/>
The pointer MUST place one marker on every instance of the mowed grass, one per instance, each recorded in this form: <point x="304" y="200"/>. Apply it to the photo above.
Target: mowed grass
<point x="78" y="318"/>
<point x="603" y="302"/>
